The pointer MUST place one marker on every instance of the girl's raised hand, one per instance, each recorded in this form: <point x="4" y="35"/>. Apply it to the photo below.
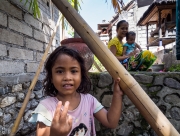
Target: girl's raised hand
<point x="117" y="88"/>
<point x="62" y="122"/>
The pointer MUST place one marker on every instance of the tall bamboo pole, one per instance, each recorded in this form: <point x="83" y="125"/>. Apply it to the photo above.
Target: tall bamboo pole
<point x="132" y="89"/>
<point x="33" y="83"/>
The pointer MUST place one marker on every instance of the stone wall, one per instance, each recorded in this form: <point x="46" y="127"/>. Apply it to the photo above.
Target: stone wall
<point x="162" y="88"/>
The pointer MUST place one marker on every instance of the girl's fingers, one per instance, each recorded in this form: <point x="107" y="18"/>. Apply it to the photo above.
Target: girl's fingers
<point x="70" y="120"/>
<point x="65" y="110"/>
<point x="116" y="85"/>
<point x="57" y="113"/>
<point x="117" y="81"/>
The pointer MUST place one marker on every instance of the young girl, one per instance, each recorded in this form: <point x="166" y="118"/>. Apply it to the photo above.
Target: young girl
<point x="141" y="62"/>
<point x="69" y="109"/>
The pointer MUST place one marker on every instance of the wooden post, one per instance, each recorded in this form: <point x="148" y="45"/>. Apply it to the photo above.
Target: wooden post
<point x="178" y="29"/>
<point x="147" y="35"/>
<point x="160" y="29"/>
<point x="132" y="89"/>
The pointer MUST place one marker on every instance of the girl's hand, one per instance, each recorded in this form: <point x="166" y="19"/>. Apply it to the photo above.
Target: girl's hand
<point x="117" y="88"/>
<point x="61" y="123"/>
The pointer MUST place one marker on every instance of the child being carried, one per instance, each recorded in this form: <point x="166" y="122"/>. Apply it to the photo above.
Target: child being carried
<point x="130" y="46"/>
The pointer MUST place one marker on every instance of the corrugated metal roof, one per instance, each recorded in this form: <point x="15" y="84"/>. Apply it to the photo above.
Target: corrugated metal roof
<point x="155" y="3"/>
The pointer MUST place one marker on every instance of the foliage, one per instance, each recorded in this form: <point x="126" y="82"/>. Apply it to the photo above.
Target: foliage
<point x="71" y="32"/>
<point x="34" y="7"/>
<point x="93" y="68"/>
<point x="75" y="3"/>
<point x="175" y="68"/>
<point x="116" y="5"/>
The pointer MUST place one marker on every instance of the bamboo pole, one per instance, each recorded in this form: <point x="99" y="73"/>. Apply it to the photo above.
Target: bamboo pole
<point x="33" y="83"/>
<point x="132" y="89"/>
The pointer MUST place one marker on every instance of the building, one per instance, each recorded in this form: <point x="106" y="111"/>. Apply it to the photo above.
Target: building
<point x="154" y="22"/>
<point x="131" y="13"/>
<point x="162" y="14"/>
<point x="103" y="31"/>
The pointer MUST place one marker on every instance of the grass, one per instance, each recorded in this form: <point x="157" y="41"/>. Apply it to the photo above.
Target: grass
<point x="175" y="68"/>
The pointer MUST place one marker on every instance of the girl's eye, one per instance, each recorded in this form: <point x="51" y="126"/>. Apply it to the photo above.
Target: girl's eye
<point x="74" y="71"/>
<point x="59" y="71"/>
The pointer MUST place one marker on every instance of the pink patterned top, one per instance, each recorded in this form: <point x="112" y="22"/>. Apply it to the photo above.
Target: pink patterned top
<point x="83" y="119"/>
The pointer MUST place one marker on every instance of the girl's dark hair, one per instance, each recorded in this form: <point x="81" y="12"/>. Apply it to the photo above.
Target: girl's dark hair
<point x="49" y="88"/>
<point x="130" y="33"/>
<point x="120" y="22"/>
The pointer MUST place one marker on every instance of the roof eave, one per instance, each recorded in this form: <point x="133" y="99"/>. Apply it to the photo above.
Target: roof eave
<point x="149" y="10"/>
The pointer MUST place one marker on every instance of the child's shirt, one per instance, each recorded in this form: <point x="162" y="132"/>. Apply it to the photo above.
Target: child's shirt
<point x="83" y="119"/>
<point x="130" y="47"/>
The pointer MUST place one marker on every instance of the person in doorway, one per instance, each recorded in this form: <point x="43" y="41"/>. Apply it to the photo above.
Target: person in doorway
<point x="69" y="109"/>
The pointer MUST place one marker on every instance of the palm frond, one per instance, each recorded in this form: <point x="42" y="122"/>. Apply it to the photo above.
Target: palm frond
<point x="116" y="5"/>
<point x="79" y="5"/>
<point x="33" y="5"/>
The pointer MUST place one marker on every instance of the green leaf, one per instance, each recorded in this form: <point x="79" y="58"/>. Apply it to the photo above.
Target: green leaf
<point x="30" y="5"/>
<point x="26" y="2"/>
<point x="34" y="9"/>
<point x="34" y="6"/>
<point x="37" y="9"/>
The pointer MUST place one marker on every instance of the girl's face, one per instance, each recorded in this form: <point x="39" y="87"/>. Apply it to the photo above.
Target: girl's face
<point x="122" y="30"/>
<point x="66" y="75"/>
